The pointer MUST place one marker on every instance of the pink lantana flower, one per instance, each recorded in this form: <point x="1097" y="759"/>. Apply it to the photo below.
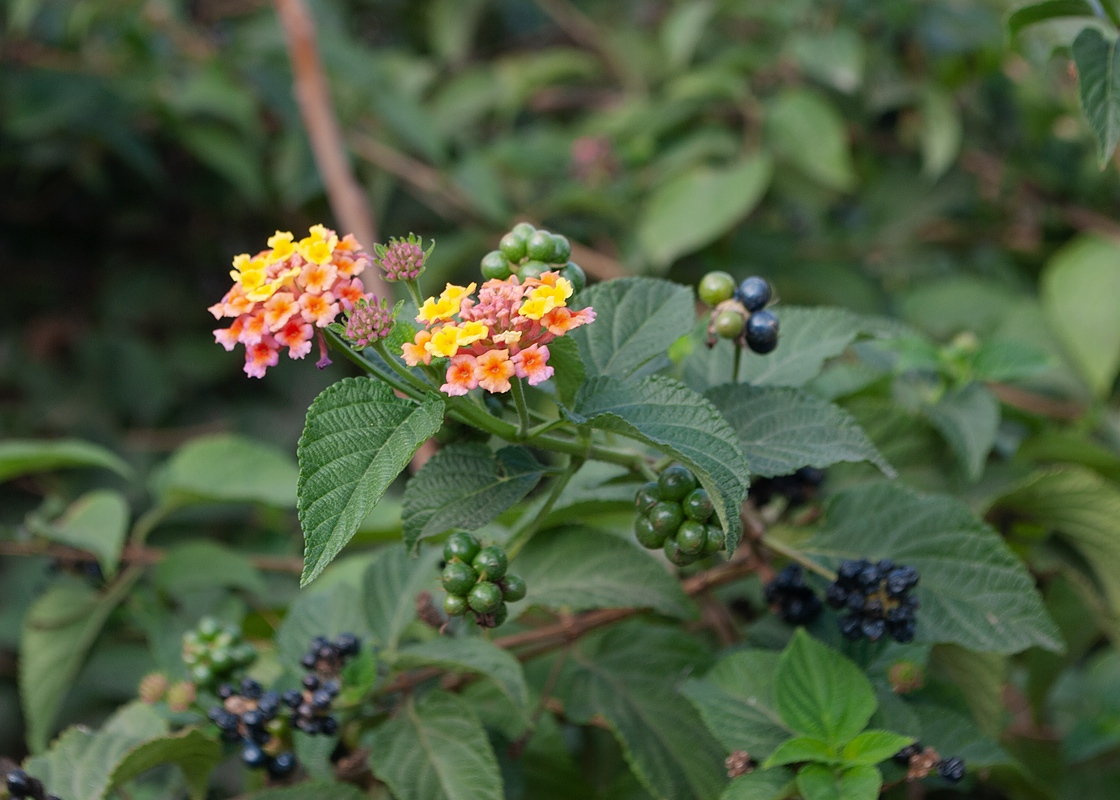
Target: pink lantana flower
<point x="532" y="363"/>
<point x="461" y="375"/>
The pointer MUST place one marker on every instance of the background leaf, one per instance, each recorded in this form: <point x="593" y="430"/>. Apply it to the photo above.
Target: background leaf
<point x="199" y="565"/>
<point x="26" y="456"/>
<point x="98" y="522"/>
<point x="782" y="430"/>
<point x="190" y="750"/>
<point x="1098" y="82"/>
<point x="968" y="418"/>
<point x="470" y="654"/>
<point x="804" y="128"/>
<point x="226" y="467"/>
<point x="389" y="591"/>
<point x="358" y="438"/>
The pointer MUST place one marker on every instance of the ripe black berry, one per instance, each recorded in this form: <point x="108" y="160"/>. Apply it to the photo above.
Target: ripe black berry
<point x="251" y="689"/>
<point x="292" y="698"/>
<point x="796" y="602"/>
<point x="902" y="757"/>
<point x="951" y="769"/>
<point x="20" y="784"/>
<point x="282" y="765"/>
<point x="321" y="700"/>
<point x="311" y="682"/>
<point x="754" y="293"/>
<point x="877" y="599"/>
<point x="252" y="755"/>
<point x="762" y="332"/>
<point x="798" y="488"/>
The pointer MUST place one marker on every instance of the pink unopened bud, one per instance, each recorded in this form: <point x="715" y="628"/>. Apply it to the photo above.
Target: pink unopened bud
<point x="402" y="259"/>
<point x="369" y="322"/>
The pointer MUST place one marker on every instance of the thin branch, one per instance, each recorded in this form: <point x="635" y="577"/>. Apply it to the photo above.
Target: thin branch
<point x="1037" y="403"/>
<point x="347" y="198"/>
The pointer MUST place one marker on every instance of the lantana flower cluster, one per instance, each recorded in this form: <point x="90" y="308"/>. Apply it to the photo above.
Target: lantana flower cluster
<point x="502" y="334"/>
<point x="282" y="295"/>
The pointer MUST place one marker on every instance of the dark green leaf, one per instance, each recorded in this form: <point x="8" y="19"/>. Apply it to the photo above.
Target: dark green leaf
<point x="806" y="129"/>
<point x="636" y="320"/>
<point x="820" y="693"/>
<point x="229" y="468"/>
<point x="98" y="522"/>
<point x="470" y="654"/>
<point x="1098" y="81"/>
<point x="800" y="748"/>
<point x="736" y="700"/>
<point x="310" y="790"/>
<point x="680" y="423"/>
<point x="569" y="370"/>
<point x="26" y="456"/>
<point x="435" y="749"/>
<point x="968" y="418"/>
<point x="770" y="784"/>
<point x="322" y="614"/>
<point x="358" y="438"/>
<point x="205" y="565"/>
<point x="390" y="587"/>
<point x="466" y="486"/>
<point x="784" y="429"/>
<point x="190" y="750"/>
<point x="974" y="591"/>
<point x="1048" y="9"/>
<point x="871" y="747"/>
<point x="579" y="569"/>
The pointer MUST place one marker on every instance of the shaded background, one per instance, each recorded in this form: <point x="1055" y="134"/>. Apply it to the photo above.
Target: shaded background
<point x="923" y="166"/>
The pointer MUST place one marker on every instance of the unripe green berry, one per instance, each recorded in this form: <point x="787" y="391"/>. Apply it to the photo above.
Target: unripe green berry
<point x="523" y="230"/>
<point x="646" y="534"/>
<point x="462" y="547"/>
<point x="495" y="266"/>
<point x="226" y="638"/>
<point x="501" y="615"/>
<point x="454" y="605"/>
<point x="515" y="588"/>
<point x="208" y="628"/>
<point x="647" y="497"/>
<point x="675" y="482"/>
<point x="485" y="597"/>
<point x="561" y="249"/>
<point x="244" y="654"/>
<point x="715" y="541"/>
<point x="491" y="563"/>
<point x="729" y="324"/>
<point x="691" y="537"/>
<point x="674" y="554"/>
<point x="697" y="505"/>
<point x="532" y="269"/>
<point x="221" y="660"/>
<point x="458" y="578"/>
<point x="512" y="247"/>
<point x="202" y="674"/>
<point x="666" y="518"/>
<point x="541" y="247"/>
<point x="575" y="275"/>
<point x="715" y="287"/>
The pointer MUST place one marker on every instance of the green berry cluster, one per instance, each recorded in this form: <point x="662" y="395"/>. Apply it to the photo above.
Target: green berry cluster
<point x="213" y="652"/>
<point x="739" y="312"/>
<point x="476" y="581"/>
<point x="528" y="252"/>
<point x="674" y="514"/>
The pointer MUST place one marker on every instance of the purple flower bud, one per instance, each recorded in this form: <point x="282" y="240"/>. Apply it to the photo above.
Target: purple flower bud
<point x="369" y="322"/>
<point x="402" y="259"/>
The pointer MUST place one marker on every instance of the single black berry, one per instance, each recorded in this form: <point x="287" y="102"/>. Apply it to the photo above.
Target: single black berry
<point x="310" y="682"/>
<point x="309" y="660"/>
<point x="328" y="726"/>
<point x="836" y="595"/>
<point x="251" y="689"/>
<point x="902" y="757"/>
<point x="282" y="765"/>
<point x="762" y="331"/>
<point x="675" y="482"/>
<point x="951" y="769"/>
<point x="754" y="293"/>
<point x="252" y="755"/>
<point x="320" y="701"/>
<point x="332" y="688"/>
<point x="19" y="783"/>
<point x="348" y="644"/>
<point x="292" y="698"/>
<point x="225" y="691"/>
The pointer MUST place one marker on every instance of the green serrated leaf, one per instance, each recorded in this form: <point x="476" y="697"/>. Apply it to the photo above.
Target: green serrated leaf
<point x="736" y="700"/>
<point x="228" y="468"/>
<point x="805" y="128"/>
<point x="968" y="418"/>
<point x="471" y="654"/>
<point x="200" y="565"/>
<point x="818" y="782"/>
<point x="973" y="591"/>
<point x="1098" y="81"/>
<point x="636" y="321"/>
<point x="1079" y="286"/>
<point x="627" y="678"/>
<point x="800" y="748"/>
<point x="358" y="438"/>
<point x="669" y="416"/>
<point x="98" y="522"/>
<point x="310" y="790"/>
<point x="321" y="614"/>
<point x="435" y="749"/>
<point x="58" y="631"/>
<point x="389" y="591"/>
<point x="770" y="784"/>
<point x="694" y="209"/>
<point x="951" y="732"/>
<point x="1047" y="10"/>
<point x="190" y="750"/>
<point x="820" y="693"/>
<point x="465" y="486"/>
<point x="579" y="569"/>
<point x="27" y="456"/>
<point x="569" y="370"/>
<point x="1009" y="360"/>
<point x="981" y="678"/>
<point x="860" y="782"/>
<point x="871" y="747"/>
<point x="782" y="430"/>
<point x="314" y="753"/>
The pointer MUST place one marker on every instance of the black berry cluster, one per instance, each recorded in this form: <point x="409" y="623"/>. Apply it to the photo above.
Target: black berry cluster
<point x="21" y="785"/>
<point x="926" y="760"/>
<point x="250" y="716"/>
<point x="476" y="581"/>
<point x="674" y="514"/>
<point x="877" y="598"/>
<point x="76" y="566"/>
<point x="739" y="312"/>
<point x="311" y="705"/>
<point x="528" y="252"/>
<point x="798" y="488"/>
<point x="213" y="652"/>
<point x="795" y="602"/>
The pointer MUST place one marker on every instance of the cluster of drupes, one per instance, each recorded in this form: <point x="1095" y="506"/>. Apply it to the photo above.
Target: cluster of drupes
<point x="674" y="514"/>
<point x="529" y="252"/>
<point x="739" y="312"/>
<point x="951" y="769"/>
<point x="251" y="716"/>
<point x="311" y="704"/>
<point x="213" y="652"/>
<point x="877" y="599"/>
<point x="875" y="596"/>
<point x="796" y="602"/>
<point x="21" y="785"/>
<point x="476" y="581"/>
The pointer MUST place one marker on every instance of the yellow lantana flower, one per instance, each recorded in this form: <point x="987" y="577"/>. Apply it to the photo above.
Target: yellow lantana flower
<point x="282" y="246"/>
<point x="445" y="341"/>
<point x="470" y="332"/>
<point x="319" y="246"/>
<point x="455" y="293"/>
<point x="250" y="273"/>
<point x="545" y="298"/>
<point x="265" y="290"/>
<point x="436" y="310"/>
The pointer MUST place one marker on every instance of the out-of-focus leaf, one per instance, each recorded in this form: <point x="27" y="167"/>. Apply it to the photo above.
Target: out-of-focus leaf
<point x="199" y="565"/>
<point x="26" y="456"/>
<point x="229" y="468"/>
<point x="941" y="133"/>
<point x="835" y="57"/>
<point x="1033" y="13"/>
<point x="98" y="522"/>
<point x="805" y="129"/>
<point x="968" y="418"/>
<point x="1098" y="80"/>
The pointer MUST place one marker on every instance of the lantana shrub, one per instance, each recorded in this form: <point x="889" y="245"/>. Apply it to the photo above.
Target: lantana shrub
<point x="613" y="540"/>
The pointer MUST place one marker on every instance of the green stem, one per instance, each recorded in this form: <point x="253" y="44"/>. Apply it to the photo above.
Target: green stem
<point x="369" y="366"/>
<point x="523" y="534"/>
<point x="518" y="391"/>
<point x="796" y="555"/>
<point x="414" y="292"/>
<point x="738" y="361"/>
<point x="396" y="366"/>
